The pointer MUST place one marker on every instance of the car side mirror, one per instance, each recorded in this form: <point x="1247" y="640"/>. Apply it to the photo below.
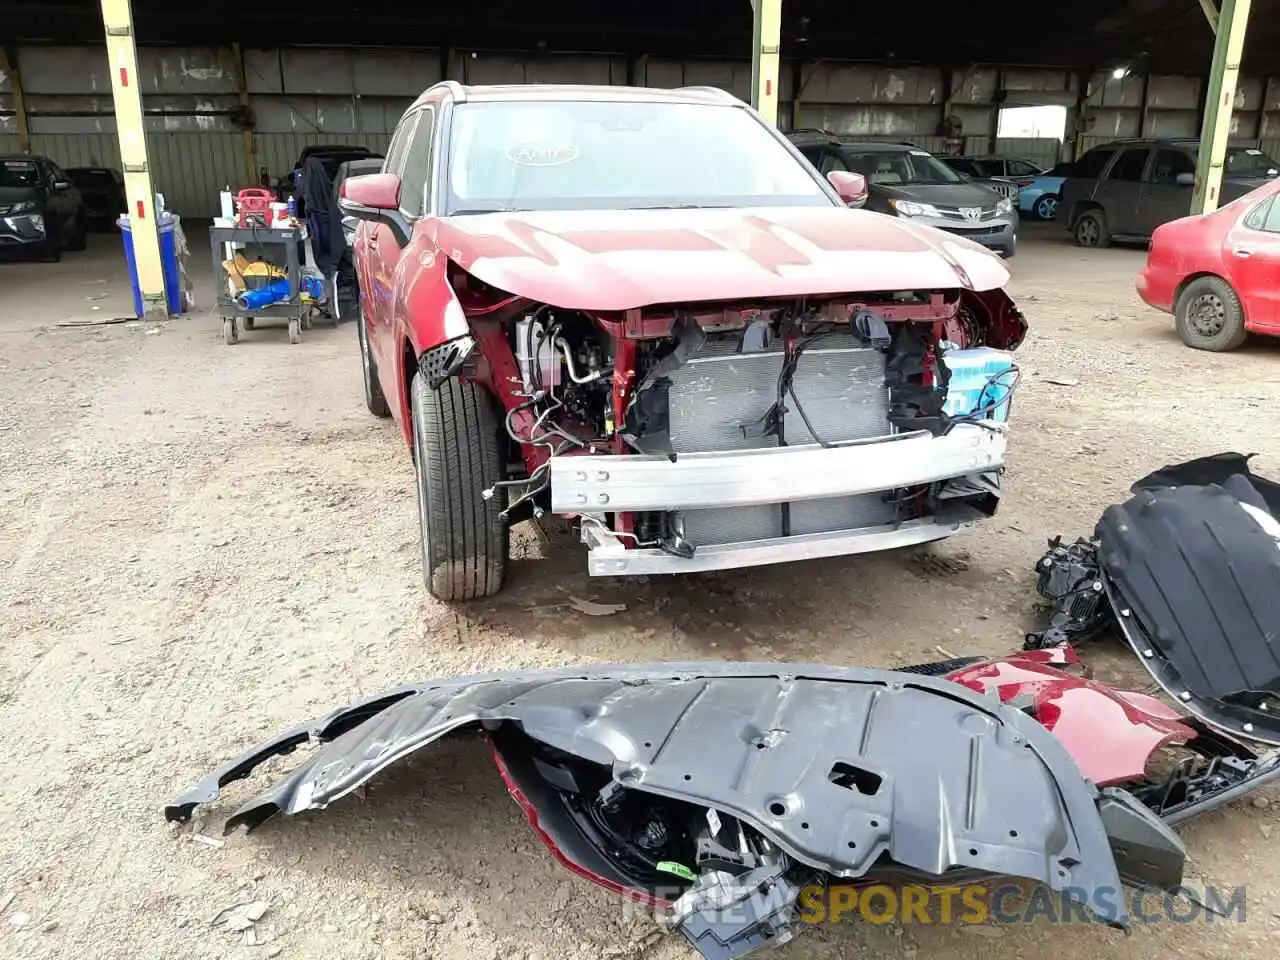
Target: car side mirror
<point x="1186" y="180"/>
<point x="61" y="186"/>
<point x="851" y="187"/>
<point x="375" y="197"/>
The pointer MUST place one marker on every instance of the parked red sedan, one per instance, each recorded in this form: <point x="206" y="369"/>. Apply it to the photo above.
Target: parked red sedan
<point x="1219" y="273"/>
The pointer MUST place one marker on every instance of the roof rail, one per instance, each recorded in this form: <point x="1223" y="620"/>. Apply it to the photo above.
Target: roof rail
<point x="456" y="89"/>
<point x="707" y="88"/>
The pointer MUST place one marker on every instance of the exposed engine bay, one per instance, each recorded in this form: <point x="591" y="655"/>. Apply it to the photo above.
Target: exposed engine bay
<point x="723" y="380"/>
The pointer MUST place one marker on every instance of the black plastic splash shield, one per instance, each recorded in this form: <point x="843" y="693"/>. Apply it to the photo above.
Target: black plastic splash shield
<point x="964" y="783"/>
<point x="1192" y="573"/>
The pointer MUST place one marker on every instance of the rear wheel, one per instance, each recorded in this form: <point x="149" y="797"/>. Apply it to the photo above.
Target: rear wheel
<point x="374" y="398"/>
<point x="456" y="457"/>
<point x="1209" y="315"/>
<point x="1046" y="208"/>
<point x="1091" y="229"/>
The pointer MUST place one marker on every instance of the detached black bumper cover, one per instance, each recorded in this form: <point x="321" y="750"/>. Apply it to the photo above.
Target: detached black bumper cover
<point x="840" y="772"/>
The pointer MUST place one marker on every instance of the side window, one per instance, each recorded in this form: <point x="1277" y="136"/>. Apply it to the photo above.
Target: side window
<point x="416" y="175"/>
<point x="1272" y="223"/>
<point x="965" y="166"/>
<point x="1020" y="168"/>
<point x="399" y="143"/>
<point x="1130" y="165"/>
<point x="1091" y="163"/>
<point x="813" y="155"/>
<point x="1264" y="216"/>
<point x="990" y="168"/>
<point x="1169" y="164"/>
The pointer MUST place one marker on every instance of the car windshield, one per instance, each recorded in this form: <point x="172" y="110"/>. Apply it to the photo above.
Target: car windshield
<point x="576" y="155"/>
<point x="891" y="167"/>
<point x="1248" y="162"/>
<point x="19" y="173"/>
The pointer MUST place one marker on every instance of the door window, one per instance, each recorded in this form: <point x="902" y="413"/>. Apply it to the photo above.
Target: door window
<point x="1130" y="165"/>
<point x="1020" y="168"/>
<point x="1169" y="165"/>
<point x="1271" y="220"/>
<point x="1092" y="163"/>
<point x="415" y="192"/>
<point x="399" y="143"/>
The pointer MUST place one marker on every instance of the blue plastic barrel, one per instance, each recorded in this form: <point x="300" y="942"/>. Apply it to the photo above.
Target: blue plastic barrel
<point x="168" y="262"/>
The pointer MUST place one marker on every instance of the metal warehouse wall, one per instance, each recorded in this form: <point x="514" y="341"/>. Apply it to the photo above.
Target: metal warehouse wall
<point x="302" y="96"/>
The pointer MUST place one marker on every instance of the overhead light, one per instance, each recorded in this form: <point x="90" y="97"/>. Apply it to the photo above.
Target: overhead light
<point x="1119" y="73"/>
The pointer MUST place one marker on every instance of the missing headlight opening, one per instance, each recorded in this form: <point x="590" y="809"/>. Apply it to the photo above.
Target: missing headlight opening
<point x="666" y="432"/>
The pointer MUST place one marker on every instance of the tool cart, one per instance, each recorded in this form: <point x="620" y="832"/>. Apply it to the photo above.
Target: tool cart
<point x="259" y="277"/>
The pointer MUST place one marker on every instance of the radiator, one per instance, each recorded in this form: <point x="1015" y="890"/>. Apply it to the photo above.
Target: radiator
<point x="719" y="392"/>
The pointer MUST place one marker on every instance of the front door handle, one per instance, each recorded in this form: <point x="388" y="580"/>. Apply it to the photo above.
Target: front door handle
<point x="1243" y="252"/>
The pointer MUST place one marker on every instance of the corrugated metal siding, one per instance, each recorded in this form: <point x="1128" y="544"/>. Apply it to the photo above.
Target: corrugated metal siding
<point x="307" y="96"/>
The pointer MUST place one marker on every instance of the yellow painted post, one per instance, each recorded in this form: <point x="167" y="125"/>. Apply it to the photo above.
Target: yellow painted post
<point x="9" y="67"/>
<point x="1229" y="26"/>
<point x="126" y="91"/>
<point x="766" y="36"/>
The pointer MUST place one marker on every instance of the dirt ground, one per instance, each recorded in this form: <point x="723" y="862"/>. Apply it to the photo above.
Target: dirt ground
<point x="200" y="545"/>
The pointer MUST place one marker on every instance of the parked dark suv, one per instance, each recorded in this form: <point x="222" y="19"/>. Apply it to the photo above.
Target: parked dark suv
<point x="41" y="212"/>
<point x="1125" y="189"/>
<point x="908" y="182"/>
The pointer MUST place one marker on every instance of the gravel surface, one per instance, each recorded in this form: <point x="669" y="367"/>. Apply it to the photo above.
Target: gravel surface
<point x="201" y="544"/>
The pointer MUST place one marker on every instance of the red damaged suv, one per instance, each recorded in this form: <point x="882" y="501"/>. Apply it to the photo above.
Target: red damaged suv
<point x="645" y="311"/>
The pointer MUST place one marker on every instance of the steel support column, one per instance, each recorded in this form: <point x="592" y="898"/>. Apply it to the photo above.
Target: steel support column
<point x="126" y="91"/>
<point x="766" y="36"/>
<point x="1229" y="25"/>
<point x="242" y="88"/>
<point x="9" y="67"/>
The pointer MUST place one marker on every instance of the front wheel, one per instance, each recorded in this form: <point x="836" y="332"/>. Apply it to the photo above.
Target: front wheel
<point x="374" y="398"/>
<point x="78" y="238"/>
<point x="457" y="456"/>
<point x="1209" y="316"/>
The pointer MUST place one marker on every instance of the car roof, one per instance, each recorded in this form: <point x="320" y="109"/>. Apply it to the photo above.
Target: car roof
<point x="548" y="92"/>
<point x="33" y="157"/>
<point x="807" y="136"/>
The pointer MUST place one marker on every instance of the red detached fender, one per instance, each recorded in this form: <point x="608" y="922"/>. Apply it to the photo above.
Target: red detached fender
<point x="1109" y="733"/>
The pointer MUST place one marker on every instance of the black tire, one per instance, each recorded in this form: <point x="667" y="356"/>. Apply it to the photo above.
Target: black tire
<point x="1091" y="229"/>
<point x="457" y="456"/>
<point x="1046" y="206"/>
<point x="78" y="238"/>
<point x="1209" y="316"/>
<point x="374" y="398"/>
<point x="50" y="251"/>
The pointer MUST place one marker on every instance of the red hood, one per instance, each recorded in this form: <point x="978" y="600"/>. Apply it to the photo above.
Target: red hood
<point x="622" y="259"/>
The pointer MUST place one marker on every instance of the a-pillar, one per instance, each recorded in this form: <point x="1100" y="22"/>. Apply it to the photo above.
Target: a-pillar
<point x="126" y="90"/>
<point x="766" y="35"/>
<point x="1228" y="22"/>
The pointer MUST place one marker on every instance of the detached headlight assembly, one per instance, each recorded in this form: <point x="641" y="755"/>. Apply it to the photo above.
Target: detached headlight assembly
<point x="909" y="208"/>
<point x="1005" y="206"/>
